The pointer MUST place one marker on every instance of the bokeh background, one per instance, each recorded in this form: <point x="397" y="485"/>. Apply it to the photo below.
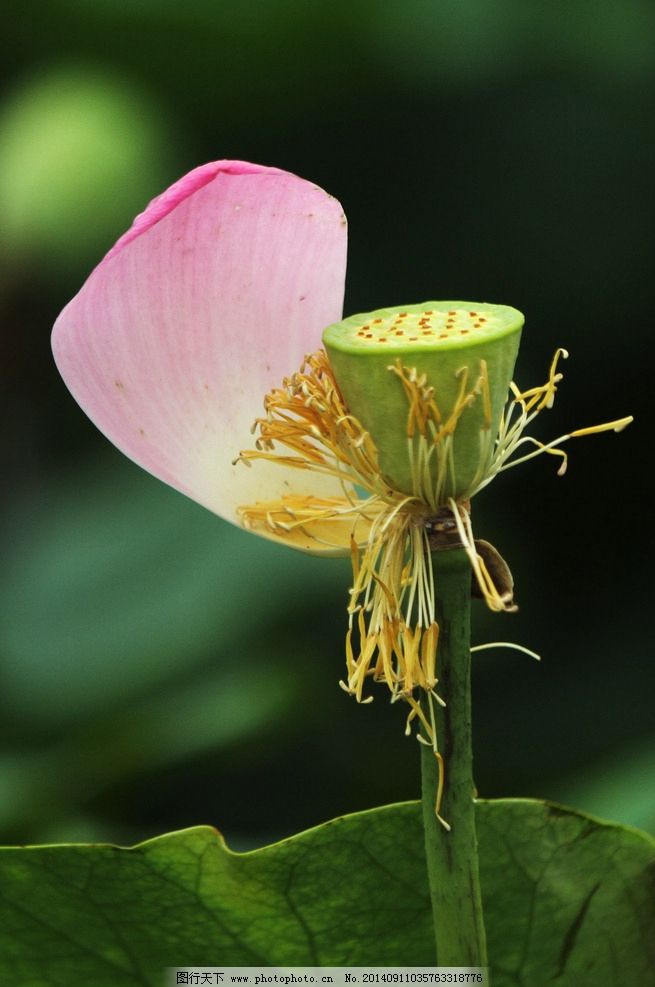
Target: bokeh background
<point x="160" y="668"/>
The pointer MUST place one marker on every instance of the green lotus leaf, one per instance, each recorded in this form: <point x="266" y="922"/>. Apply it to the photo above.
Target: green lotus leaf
<point x="568" y="901"/>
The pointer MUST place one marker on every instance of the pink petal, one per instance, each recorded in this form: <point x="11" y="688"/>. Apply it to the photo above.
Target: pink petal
<point x="180" y="190"/>
<point x="212" y="297"/>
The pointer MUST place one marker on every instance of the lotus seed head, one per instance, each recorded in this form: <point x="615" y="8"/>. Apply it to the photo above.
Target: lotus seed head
<point x="450" y="363"/>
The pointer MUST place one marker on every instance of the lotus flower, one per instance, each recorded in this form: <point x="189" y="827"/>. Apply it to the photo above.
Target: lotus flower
<point x="216" y="294"/>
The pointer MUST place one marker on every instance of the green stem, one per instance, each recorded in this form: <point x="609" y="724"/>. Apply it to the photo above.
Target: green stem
<point x="452" y="856"/>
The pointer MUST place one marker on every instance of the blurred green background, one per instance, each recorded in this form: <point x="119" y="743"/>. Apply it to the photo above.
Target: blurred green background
<point x="160" y="668"/>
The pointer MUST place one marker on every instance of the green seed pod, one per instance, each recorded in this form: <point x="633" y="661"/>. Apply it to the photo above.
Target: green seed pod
<point x="429" y="383"/>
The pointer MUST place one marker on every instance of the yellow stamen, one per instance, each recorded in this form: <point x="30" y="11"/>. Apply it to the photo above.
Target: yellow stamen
<point x="430" y="452"/>
<point x="493" y="599"/>
<point x="392" y="634"/>
<point x="520" y="411"/>
<point x="615" y="426"/>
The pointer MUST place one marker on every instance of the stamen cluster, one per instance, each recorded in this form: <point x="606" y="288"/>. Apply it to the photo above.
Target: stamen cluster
<point x="392" y="632"/>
